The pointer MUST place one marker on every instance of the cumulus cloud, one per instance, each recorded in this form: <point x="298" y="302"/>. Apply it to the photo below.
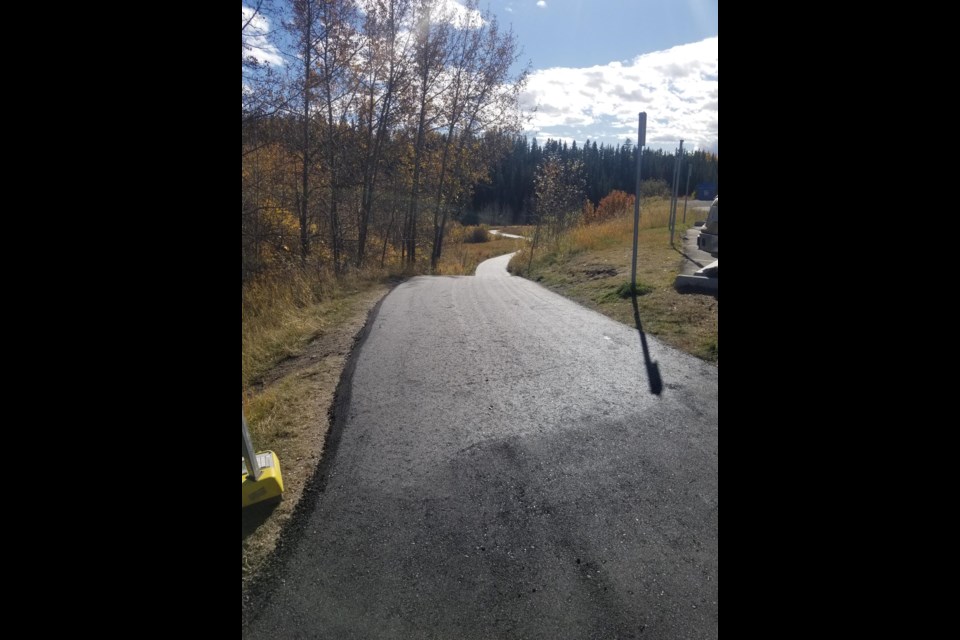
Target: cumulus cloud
<point x="255" y="42"/>
<point x="677" y="87"/>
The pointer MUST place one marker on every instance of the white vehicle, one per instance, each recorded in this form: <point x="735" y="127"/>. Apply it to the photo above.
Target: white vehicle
<point x="707" y="240"/>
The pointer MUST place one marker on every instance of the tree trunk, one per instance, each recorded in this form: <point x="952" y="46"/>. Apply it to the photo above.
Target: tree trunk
<point x="305" y="141"/>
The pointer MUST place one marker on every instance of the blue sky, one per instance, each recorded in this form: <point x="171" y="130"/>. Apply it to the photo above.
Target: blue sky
<point x="577" y="33"/>
<point x="596" y="63"/>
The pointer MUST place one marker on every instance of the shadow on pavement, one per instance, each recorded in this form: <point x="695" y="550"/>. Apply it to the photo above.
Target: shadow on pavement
<point x="689" y="257"/>
<point x="255" y="515"/>
<point x="653" y="371"/>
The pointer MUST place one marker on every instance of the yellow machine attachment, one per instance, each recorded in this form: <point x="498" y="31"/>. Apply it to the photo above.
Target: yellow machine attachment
<point x="268" y="485"/>
<point x="261" y="479"/>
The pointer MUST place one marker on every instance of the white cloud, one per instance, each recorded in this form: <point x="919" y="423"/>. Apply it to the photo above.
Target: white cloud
<point x="255" y="42"/>
<point x="458" y="15"/>
<point x="542" y="4"/>
<point x="449" y="11"/>
<point x="678" y="88"/>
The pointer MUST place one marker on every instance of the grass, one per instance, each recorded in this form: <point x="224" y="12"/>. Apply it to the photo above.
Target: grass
<point x="282" y="314"/>
<point x="460" y="258"/>
<point x="591" y="264"/>
<point x="285" y="348"/>
<point x="624" y="292"/>
<point x="518" y="230"/>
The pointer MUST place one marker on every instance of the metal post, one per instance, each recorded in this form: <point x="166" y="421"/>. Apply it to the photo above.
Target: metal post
<point x="676" y="183"/>
<point x="687" y="192"/>
<point x="673" y="191"/>
<point x="670" y="208"/>
<point x="641" y="140"/>
<point x="253" y="469"/>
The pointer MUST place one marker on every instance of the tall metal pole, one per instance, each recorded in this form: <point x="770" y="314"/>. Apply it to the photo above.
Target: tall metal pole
<point x="673" y="190"/>
<point x="687" y="192"/>
<point x="676" y="183"/>
<point x="641" y="141"/>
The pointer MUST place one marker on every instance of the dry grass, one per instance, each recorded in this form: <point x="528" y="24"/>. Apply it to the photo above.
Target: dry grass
<point x="654" y="214"/>
<point x="591" y="264"/>
<point x="461" y="258"/>
<point x="518" y="230"/>
<point x="281" y="314"/>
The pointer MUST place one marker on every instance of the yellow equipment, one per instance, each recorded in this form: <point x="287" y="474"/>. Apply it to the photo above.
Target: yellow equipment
<point x="261" y="479"/>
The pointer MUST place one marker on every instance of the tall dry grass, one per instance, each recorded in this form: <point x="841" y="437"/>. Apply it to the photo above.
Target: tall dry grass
<point x="282" y="312"/>
<point x="607" y="234"/>
<point x="654" y="213"/>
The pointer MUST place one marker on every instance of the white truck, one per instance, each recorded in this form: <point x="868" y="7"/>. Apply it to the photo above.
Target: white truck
<point x="707" y="240"/>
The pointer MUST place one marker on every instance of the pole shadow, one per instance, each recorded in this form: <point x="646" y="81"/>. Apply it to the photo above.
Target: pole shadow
<point x="653" y="370"/>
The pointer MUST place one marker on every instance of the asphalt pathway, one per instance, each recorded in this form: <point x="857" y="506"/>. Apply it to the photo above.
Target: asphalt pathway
<point x="504" y="471"/>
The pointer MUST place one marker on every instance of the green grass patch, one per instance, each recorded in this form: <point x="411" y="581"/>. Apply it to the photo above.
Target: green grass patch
<point x="623" y="291"/>
<point x="627" y="289"/>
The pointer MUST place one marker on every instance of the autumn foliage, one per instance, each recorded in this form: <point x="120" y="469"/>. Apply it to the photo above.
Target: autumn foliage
<point x="614" y="205"/>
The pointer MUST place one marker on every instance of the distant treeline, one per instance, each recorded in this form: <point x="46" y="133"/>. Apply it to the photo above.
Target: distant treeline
<point x="509" y="194"/>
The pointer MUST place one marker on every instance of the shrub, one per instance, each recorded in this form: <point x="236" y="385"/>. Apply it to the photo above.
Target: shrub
<point x="589" y="212"/>
<point x="476" y="234"/>
<point x="657" y="188"/>
<point x="613" y="205"/>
